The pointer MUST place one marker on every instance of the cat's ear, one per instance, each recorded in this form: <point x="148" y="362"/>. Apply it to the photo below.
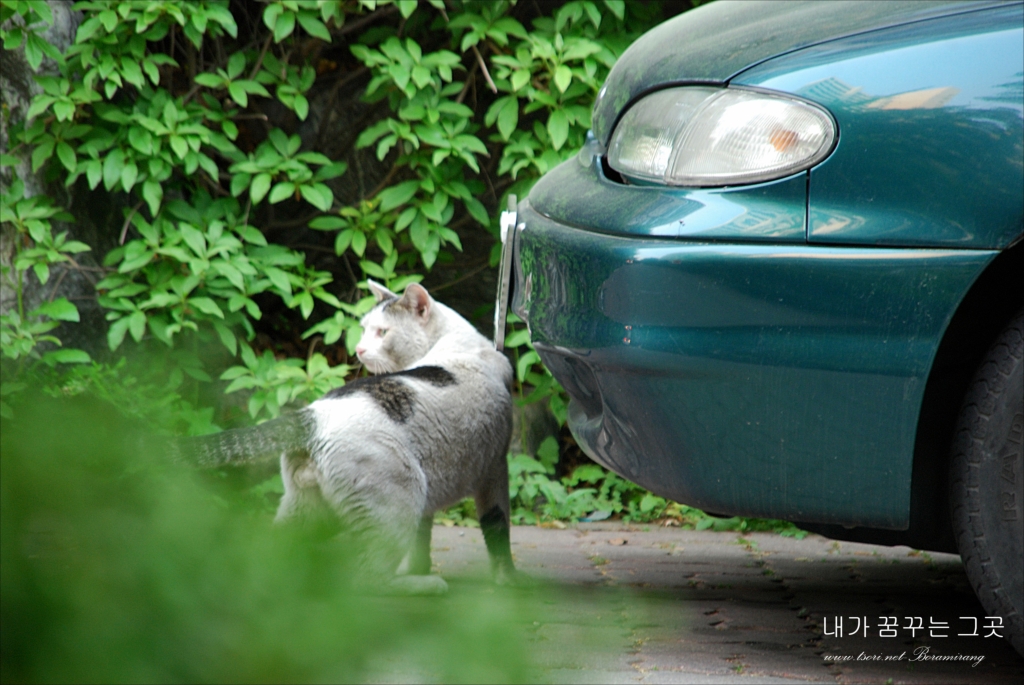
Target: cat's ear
<point x="379" y="292"/>
<point x="418" y="300"/>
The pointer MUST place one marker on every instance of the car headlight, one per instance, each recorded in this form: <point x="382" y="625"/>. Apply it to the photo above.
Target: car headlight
<point x="705" y="136"/>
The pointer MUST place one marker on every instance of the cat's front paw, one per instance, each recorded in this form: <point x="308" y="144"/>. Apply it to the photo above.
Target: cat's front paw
<point x="418" y="585"/>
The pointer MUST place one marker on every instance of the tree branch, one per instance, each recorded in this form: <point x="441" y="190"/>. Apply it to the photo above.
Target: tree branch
<point x="128" y="221"/>
<point x="487" y="74"/>
<point x="259" y="60"/>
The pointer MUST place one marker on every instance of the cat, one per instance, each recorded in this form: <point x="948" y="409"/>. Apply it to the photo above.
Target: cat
<point x="381" y="454"/>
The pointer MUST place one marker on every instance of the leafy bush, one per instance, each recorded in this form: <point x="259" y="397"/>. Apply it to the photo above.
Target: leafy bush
<point x="194" y="118"/>
<point x="154" y="106"/>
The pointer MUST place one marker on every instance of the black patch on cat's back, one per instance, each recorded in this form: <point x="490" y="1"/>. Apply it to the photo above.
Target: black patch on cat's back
<point x="391" y="394"/>
<point x="435" y="375"/>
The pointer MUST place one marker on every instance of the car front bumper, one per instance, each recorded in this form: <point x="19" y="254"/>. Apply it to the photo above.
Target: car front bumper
<point x="755" y="378"/>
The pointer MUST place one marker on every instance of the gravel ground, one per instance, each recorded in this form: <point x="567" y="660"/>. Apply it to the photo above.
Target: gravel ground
<point x="646" y="604"/>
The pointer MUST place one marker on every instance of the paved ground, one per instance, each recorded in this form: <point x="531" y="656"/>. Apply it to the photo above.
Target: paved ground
<point x="661" y="605"/>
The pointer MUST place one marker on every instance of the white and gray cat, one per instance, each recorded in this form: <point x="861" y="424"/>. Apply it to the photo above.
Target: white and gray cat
<point x="381" y="454"/>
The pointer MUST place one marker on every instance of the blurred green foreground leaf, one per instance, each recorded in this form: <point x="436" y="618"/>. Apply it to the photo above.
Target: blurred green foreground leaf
<point x="117" y="567"/>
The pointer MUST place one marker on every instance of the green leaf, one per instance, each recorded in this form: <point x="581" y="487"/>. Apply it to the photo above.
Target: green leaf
<point x="305" y="302"/>
<point x="260" y="186"/>
<point x="60" y="309"/>
<point x="617" y="7"/>
<point x="373" y="269"/>
<point x="74" y="246"/>
<point x="153" y="194"/>
<point x="118" y="329"/>
<point x="194" y="238"/>
<point x="113" y="166"/>
<point x="508" y="117"/>
<point x="137" y="325"/>
<point x="318" y="195"/>
<point x="524" y="364"/>
<point x="301" y="106"/>
<point x="281" y="192"/>
<point x="64" y="109"/>
<point x="141" y="140"/>
<point x="520" y="78"/>
<point x="558" y="128"/>
<point x="209" y="80"/>
<point x="271" y="14"/>
<point x="517" y="338"/>
<point x="207" y="306"/>
<point x="223" y="16"/>
<point x="254" y="87"/>
<point x="39" y="105"/>
<point x="342" y="242"/>
<point x="132" y="72"/>
<point x="68" y="356"/>
<point x="94" y="173"/>
<point x="238" y="94"/>
<point x="12" y="41"/>
<point x="399" y="74"/>
<point x="314" y="26"/>
<point x="33" y="51"/>
<point x="405" y="218"/>
<point x="358" y="243"/>
<point x="477" y="211"/>
<point x="397" y="195"/>
<point x="109" y="20"/>
<point x="179" y="145"/>
<point x="251" y="234"/>
<point x="421" y="76"/>
<point x="284" y="26"/>
<point x="280" y="279"/>
<point x="563" y="77"/>
<point x="42" y="272"/>
<point x="151" y="71"/>
<point x="384" y="241"/>
<point x="67" y="156"/>
<point x="42" y="153"/>
<point x="235" y="65"/>
<point x="227" y="338"/>
<point x="419" y="232"/>
<point x="332" y="170"/>
<point x="129" y="175"/>
<point x="406" y="7"/>
<point x="327" y="223"/>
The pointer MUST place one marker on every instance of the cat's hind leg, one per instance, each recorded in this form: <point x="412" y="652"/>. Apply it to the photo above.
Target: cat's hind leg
<point x="302" y="503"/>
<point x="492" y="506"/>
<point x="381" y="520"/>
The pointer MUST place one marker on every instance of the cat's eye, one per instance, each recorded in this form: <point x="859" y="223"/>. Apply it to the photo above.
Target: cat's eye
<point x="381" y="332"/>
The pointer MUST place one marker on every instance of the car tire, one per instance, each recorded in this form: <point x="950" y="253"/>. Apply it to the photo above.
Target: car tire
<point x="987" y="481"/>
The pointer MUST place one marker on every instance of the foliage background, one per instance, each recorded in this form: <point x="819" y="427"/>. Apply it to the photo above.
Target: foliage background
<point x="245" y="166"/>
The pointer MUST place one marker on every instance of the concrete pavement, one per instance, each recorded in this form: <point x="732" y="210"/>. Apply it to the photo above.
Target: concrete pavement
<point x="646" y="604"/>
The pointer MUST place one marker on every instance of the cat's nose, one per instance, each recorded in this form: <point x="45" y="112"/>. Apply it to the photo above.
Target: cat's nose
<point x="360" y="351"/>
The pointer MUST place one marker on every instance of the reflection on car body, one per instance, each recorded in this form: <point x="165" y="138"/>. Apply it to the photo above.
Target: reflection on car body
<point x="770" y="275"/>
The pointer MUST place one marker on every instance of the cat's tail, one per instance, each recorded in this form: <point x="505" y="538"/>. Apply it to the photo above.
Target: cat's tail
<point x="265" y="442"/>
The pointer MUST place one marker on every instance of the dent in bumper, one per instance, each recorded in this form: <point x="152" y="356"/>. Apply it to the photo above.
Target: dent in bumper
<point x="763" y="380"/>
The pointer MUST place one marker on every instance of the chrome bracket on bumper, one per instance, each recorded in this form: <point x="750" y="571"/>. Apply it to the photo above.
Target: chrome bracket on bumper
<point x="508" y="236"/>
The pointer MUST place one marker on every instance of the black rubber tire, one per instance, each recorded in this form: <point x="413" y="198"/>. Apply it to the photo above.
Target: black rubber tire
<point x="987" y="481"/>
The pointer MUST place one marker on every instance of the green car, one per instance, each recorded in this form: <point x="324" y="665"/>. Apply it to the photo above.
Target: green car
<point x="783" y="278"/>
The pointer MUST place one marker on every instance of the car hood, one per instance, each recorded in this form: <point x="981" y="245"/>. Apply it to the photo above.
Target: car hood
<point x="715" y="42"/>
